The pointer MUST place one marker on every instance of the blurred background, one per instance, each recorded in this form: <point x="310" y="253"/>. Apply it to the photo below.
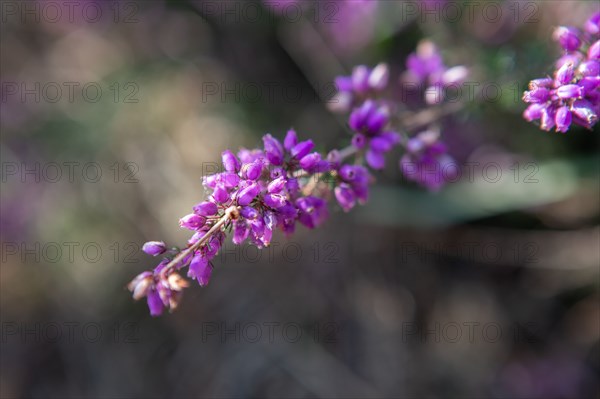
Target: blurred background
<point x="112" y="112"/>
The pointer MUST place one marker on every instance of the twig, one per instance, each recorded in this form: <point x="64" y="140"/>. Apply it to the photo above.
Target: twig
<point x="230" y="213"/>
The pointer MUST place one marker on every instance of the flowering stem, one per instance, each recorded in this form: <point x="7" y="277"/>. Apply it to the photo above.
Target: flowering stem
<point x="230" y="213"/>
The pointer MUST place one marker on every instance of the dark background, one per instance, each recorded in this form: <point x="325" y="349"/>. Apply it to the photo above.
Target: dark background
<point x="486" y="289"/>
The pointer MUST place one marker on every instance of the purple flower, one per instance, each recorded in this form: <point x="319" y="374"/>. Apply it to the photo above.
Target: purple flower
<point x="247" y="195"/>
<point x="425" y="68"/>
<point x="301" y="149"/>
<point x="426" y="161"/>
<point x="155" y="303"/>
<point x="200" y="269"/>
<point x="206" y="208"/>
<point x="369" y="122"/>
<point x="573" y="96"/>
<point x="192" y="221"/>
<point x="154" y="248"/>
<point x="425" y="65"/>
<point x="230" y="162"/>
<point x="252" y="170"/>
<point x="290" y="140"/>
<point x="592" y="25"/>
<point x="345" y="196"/>
<point x="273" y="150"/>
<point x="360" y="84"/>
<point x="567" y="37"/>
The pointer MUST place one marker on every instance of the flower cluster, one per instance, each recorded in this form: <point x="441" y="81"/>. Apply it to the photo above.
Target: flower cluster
<point x="572" y="95"/>
<point x="425" y="67"/>
<point x="257" y="192"/>
<point x="371" y="119"/>
<point x="286" y="183"/>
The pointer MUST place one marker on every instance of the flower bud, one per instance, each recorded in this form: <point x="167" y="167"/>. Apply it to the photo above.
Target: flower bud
<point x="345" y="196"/>
<point x="538" y="95"/>
<point x="273" y="150"/>
<point x="455" y="75"/>
<point x="247" y="195"/>
<point x="359" y="141"/>
<point x="592" y="25"/>
<point x="302" y="148"/>
<point x="533" y="112"/>
<point x="563" y="119"/>
<point x="276" y="185"/>
<point x="569" y="91"/>
<point x="379" y="76"/>
<point x="290" y="140"/>
<point x="377" y="120"/>
<point x="192" y="221"/>
<point x="249" y="212"/>
<point x="154" y="248"/>
<point x="375" y="159"/>
<point x="360" y="79"/>
<point x="200" y="269"/>
<point x="594" y="51"/>
<point x="252" y="170"/>
<point x="155" y="303"/>
<point x="309" y="161"/>
<point x="568" y="38"/>
<point x="274" y="200"/>
<point x="230" y="162"/>
<point x="584" y="110"/>
<point x="206" y="208"/>
<point x="589" y="68"/>
<point x="564" y="74"/>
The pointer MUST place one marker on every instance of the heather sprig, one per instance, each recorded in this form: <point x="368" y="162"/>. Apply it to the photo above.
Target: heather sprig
<point x="286" y="183"/>
<point x="572" y="94"/>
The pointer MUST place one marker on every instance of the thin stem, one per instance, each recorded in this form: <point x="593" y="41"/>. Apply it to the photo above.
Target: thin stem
<point x="348" y="151"/>
<point x="430" y="115"/>
<point x="230" y="213"/>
